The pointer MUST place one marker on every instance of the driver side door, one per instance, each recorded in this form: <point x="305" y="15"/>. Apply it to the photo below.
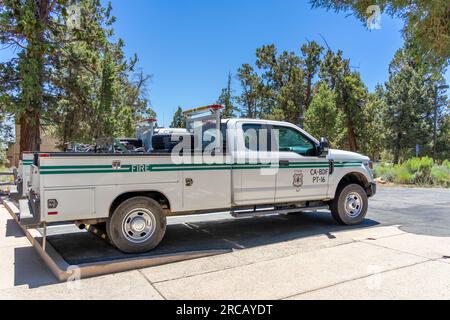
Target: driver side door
<point x="302" y="174"/>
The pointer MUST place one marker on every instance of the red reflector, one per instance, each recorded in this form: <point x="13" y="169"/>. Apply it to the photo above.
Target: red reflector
<point x="216" y="106"/>
<point x="44" y="155"/>
<point x="52" y="213"/>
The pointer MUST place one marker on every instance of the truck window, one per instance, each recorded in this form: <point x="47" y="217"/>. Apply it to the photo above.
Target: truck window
<point x="292" y="140"/>
<point x="256" y="137"/>
<point x="209" y="135"/>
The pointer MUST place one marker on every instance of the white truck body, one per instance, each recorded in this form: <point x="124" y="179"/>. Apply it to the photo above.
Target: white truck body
<point x="85" y="186"/>
<point x="89" y="188"/>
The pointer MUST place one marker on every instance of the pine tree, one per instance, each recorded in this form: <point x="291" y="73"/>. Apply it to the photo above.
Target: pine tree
<point x="284" y="84"/>
<point x="72" y="76"/>
<point x="408" y="116"/>
<point x="27" y="25"/>
<point x="252" y="98"/>
<point x="178" y="120"/>
<point x="323" y="118"/>
<point x="227" y="100"/>
<point x="350" y="91"/>
<point x="372" y="137"/>
<point x="311" y="53"/>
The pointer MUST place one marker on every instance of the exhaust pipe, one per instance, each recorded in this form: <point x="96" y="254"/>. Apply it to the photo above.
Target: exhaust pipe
<point x="81" y="226"/>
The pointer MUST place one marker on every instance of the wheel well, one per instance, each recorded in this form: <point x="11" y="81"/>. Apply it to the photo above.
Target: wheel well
<point x="354" y="178"/>
<point x="155" y="195"/>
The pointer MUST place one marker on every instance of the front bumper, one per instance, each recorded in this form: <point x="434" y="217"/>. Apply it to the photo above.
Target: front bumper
<point x="372" y="190"/>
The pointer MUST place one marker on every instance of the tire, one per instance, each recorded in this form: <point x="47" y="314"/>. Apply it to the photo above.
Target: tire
<point x="137" y="225"/>
<point x="350" y="205"/>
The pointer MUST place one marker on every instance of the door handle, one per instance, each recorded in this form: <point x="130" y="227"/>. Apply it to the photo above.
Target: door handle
<point x="284" y="163"/>
<point x="331" y="166"/>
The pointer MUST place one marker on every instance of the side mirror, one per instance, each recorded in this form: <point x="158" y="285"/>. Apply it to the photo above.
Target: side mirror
<point x="324" y="147"/>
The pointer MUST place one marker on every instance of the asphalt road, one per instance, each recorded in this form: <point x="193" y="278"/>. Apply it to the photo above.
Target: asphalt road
<point x="418" y="211"/>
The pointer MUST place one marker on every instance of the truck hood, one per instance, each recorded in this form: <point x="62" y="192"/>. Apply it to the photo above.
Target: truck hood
<point x="341" y="155"/>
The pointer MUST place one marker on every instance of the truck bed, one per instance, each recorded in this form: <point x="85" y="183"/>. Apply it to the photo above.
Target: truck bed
<point x="86" y="185"/>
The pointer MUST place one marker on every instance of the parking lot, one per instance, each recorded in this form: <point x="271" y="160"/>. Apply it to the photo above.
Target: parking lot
<point x="401" y="251"/>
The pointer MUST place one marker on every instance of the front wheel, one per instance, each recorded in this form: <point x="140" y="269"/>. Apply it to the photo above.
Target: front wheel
<point x="137" y="225"/>
<point x="350" y="205"/>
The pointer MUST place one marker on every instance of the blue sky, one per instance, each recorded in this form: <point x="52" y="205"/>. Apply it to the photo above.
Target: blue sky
<point x="189" y="46"/>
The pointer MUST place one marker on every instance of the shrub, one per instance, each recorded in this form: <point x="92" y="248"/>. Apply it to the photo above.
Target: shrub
<point x="446" y="163"/>
<point x="385" y="171"/>
<point x="389" y="174"/>
<point x="379" y="170"/>
<point x="402" y="175"/>
<point x="441" y="176"/>
<point x="415" y="165"/>
<point x="418" y="171"/>
<point x="412" y="165"/>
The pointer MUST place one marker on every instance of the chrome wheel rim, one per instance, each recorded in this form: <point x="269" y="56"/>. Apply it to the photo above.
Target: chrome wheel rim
<point x="139" y="225"/>
<point x="353" y="205"/>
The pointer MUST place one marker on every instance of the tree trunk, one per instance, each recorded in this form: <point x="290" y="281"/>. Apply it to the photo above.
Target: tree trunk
<point x="308" y="96"/>
<point x="352" y="139"/>
<point x="68" y="128"/>
<point x="397" y="149"/>
<point x="33" y="87"/>
<point x="30" y="132"/>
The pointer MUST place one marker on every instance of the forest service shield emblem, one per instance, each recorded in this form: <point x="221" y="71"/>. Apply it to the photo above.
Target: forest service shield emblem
<point x="298" y="180"/>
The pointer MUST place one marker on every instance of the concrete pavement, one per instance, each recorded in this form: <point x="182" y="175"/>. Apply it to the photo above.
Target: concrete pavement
<point x="401" y="252"/>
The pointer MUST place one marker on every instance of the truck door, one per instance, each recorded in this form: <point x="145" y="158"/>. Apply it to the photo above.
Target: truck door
<point x="302" y="174"/>
<point x="208" y="185"/>
<point x="253" y="180"/>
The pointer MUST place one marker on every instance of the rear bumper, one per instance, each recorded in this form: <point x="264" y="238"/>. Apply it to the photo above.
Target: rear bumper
<point x="19" y="190"/>
<point x="30" y="211"/>
<point x="372" y="190"/>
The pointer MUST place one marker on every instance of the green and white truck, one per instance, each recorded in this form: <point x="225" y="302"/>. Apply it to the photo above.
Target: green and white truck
<point x="133" y="193"/>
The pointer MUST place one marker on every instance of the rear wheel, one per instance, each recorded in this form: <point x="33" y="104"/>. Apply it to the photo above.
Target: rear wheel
<point x="137" y="225"/>
<point x="350" y="205"/>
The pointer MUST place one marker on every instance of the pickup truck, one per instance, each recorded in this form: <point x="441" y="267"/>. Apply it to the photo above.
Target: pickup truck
<point x="134" y="193"/>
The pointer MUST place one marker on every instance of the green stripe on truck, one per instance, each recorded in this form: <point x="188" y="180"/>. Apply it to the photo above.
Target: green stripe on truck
<point x="57" y="170"/>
